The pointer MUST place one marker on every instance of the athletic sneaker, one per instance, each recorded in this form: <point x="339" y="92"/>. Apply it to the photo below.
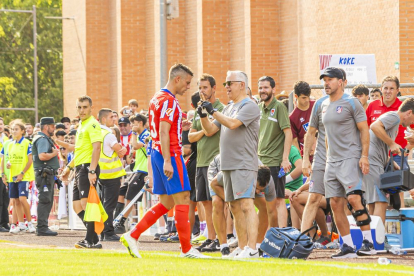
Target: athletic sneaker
<point x="322" y="242"/>
<point x="233" y="242"/>
<point x="194" y="254"/>
<point x="204" y="244"/>
<point x="84" y="244"/>
<point x="198" y="240"/>
<point x="164" y="238"/>
<point x="212" y="247"/>
<point x="345" y="252"/>
<point x="225" y="252"/>
<point x="131" y="244"/>
<point x="14" y="229"/>
<point x="233" y="254"/>
<point x="248" y="253"/>
<point x="31" y="228"/>
<point x="158" y="235"/>
<point x="119" y="228"/>
<point x="174" y="238"/>
<point x="367" y="248"/>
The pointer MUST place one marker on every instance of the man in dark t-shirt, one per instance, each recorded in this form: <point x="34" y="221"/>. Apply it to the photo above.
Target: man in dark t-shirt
<point x="299" y="118"/>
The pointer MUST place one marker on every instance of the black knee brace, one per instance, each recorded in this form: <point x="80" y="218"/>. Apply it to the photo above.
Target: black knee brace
<point x="357" y="213"/>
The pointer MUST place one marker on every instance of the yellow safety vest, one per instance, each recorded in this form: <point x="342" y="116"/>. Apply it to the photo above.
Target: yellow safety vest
<point x="110" y="167"/>
<point x="17" y="152"/>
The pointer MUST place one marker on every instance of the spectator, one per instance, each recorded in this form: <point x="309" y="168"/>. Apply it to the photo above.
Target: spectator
<point x="375" y="94"/>
<point x="66" y="122"/>
<point x="29" y="131"/>
<point x="275" y="141"/>
<point x="131" y="109"/>
<point x="362" y="93"/>
<point x="116" y="117"/>
<point x="299" y="118"/>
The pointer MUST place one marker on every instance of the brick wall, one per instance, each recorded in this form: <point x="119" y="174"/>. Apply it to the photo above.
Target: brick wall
<point x="120" y="43"/>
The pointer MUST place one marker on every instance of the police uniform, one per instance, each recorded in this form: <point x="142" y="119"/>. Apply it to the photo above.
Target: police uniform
<point x="45" y="172"/>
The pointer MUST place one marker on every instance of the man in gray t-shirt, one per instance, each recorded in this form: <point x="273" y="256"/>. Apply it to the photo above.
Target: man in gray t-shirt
<point x="347" y="137"/>
<point x="239" y="126"/>
<point x="382" y="139"/>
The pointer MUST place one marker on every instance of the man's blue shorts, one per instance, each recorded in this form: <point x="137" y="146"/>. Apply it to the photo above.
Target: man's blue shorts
<point x="178" y="183"/>
<point x="18" y="189"/>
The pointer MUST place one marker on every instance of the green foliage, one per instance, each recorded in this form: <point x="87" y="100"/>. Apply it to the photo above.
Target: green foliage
<point x="16" y="59"/>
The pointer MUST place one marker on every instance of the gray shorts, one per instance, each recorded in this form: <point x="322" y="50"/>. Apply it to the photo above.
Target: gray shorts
<point x="371" y="184"/>
<point x="239" y="184"/>
<point x="342" y="177"/>
<point x="316" y="184"/>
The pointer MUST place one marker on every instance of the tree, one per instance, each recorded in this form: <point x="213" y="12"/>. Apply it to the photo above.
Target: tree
<point x="16" y="59"/>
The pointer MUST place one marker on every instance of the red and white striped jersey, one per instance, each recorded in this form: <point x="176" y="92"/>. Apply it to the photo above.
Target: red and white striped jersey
<point x="165" y="107"/>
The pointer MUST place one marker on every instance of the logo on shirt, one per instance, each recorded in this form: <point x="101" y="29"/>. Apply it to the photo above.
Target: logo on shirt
<point x="377" y="111"/>
<point x="311" y="184"/>
<point x="169" y="111"/>
<point x="272" y="112"/>
<point x="306" y="126"/>
<point x="339" y="109"/>
<point x="301" y="120"/>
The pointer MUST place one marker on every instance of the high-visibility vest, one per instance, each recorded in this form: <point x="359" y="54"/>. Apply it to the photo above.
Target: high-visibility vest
<point x="110" y="166"/>
<point x="17" y="153"/>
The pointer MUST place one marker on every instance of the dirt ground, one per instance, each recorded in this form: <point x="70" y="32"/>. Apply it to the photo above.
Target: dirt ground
<point x="67" y="239"/>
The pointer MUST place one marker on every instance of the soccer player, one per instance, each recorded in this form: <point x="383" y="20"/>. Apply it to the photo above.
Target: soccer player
<point x="382" y="139"/>
<point x="347" y="137"/>
<point x="239" y="126"/>
<point x="169" y="172"/>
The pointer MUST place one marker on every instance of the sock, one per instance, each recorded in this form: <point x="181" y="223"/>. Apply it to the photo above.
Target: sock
<point x="22" y="225"/>
<point x="118" y="209"/>
<point x="150" y="217"/>
<point x="367" y="235"/>
<point x="183" y="226"/>
<point x="161" y="229"/>
<point x="81" y="215"/>
<point x="29" y="223"/>
<point x="229" y="236"/>
<point x="202" y="226"/>
<point x="205" y="233"/>
<point x="258" y="245"/>
<point x="348" y="240"/>
<point x="91" y="236"/>
<point x="223" y="246"/>
<point x="122" y="221"/>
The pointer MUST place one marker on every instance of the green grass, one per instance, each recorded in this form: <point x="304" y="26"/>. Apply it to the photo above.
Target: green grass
<point x="20" y="260"/>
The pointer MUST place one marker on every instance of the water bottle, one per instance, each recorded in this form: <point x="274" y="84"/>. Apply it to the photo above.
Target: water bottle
<point x="384" y="261"/>
<point x="397" y="251"/>
<point x="281" y="173"/>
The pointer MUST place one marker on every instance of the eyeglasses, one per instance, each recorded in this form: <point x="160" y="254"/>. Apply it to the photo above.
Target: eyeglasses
<point x="228" y="83"/>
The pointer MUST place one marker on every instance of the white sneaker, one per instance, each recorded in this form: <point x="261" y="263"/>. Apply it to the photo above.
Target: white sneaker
<point x="233" y="254"/>
<point x="31" y="229"/>
<point x="248" y="253"/>
<point x="131" y="244"/>
<point x="14" y="229"/>
<point x="194" y="254"/>
<point x="233" y="242"/>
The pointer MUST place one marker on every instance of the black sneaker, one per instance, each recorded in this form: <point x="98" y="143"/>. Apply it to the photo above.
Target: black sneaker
<point x="225" y="251"/>
<point x="111" y="238"/>
<point x="204" y="244"/>
<point x="345" y="252"/>
<point x="46" y="232"/>
<point x="83" y="244"/>
<point x="120" y="229"/>
<point x="367" y="248"/>
<point x="2" y="229"/>
<point x="212" y="247"/>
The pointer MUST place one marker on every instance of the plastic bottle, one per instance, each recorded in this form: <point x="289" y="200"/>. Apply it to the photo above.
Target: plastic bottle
<point x="397" y="251"/>
<point x="384" y="261"/>
<point x="281" y="173"/>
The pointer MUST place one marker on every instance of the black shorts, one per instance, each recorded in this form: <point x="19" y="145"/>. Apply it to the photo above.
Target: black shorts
<point x="201" y="184"/>
<point x="82" y="185"/>
<point x="279" y="182"/>
<point x="134" y="183"/>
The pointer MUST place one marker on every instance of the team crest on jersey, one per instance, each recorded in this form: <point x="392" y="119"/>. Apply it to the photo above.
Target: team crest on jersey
<point x="338" y="109"/>
<point x="169" y="111"/>
<point x="272" y="112"/>
<point x="301" y="120"/>
<point x="311" y="184"/>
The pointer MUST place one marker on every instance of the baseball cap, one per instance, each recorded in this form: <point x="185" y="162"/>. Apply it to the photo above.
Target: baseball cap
<point x="333" y="72"/>
<point x="65" y="120"/>
<point x="123" y="120"/>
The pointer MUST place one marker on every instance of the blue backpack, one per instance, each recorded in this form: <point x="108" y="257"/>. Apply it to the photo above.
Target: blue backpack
<point x="287" y="243"/>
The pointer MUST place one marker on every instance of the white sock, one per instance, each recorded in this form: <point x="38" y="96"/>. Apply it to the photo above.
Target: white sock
<point x="161" y="229"/>
<point x="348" y="240"/>
<point x="29" y="223"/>
<point x="22" y="225"/>
<point x="258" y="245"/>
<point x="223" y="246"/>
<point x="367" y="235"/>
<point x="205" y="233"/>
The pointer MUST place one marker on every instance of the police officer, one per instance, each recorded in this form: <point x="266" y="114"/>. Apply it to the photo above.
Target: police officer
<point x="46" y="164"/>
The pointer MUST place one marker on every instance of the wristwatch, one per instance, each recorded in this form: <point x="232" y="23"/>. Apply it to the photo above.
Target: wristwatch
<point x="92" y="172"/>
<point x="22" y="173"/>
